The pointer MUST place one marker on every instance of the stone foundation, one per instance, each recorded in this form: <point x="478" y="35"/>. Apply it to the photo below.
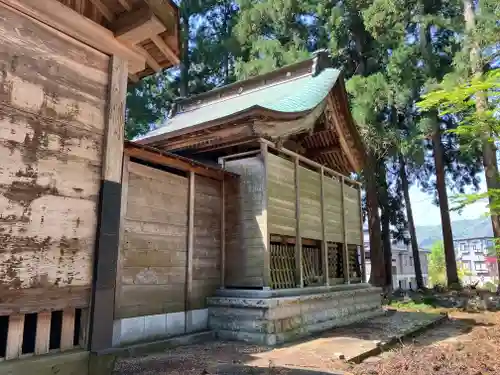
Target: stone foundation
<point x="277" y="317"/>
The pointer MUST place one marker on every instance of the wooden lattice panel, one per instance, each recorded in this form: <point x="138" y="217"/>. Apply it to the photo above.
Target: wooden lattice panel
<point x="312" y="266"/>
<point x="335" y="263"/>
<point x="282" y="266"/>
<point x="354" y="263"/>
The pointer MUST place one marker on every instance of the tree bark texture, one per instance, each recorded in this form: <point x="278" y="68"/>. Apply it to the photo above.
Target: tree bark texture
<point x="411" y="224"/>
<point x="449" y="251"/>
<point x="377" y="275"/>
<point x="385" y="221"/>
<point x="489" y="149"/>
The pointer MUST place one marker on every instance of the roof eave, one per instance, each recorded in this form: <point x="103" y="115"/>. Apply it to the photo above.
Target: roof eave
<point x="254" y="111"/>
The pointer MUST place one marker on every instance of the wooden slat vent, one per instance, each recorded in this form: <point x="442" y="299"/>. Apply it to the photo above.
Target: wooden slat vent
<point x="335" y="263"/>
<point x="24" y="335"/>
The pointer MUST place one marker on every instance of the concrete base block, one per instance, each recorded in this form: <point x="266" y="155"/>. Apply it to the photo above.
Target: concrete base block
<point x="276" y="320"/>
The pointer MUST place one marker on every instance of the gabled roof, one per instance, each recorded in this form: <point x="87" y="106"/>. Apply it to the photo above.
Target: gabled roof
<point x="296" y="92"/>
<point x="305" y="103"/>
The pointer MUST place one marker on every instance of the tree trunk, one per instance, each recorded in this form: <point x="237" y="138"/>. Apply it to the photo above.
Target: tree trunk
<point x="184" y="84"/>
<point x="449" y="251"/>
<point x="489" y="148"/>
<point x="377" y="275"/>
<point x="386" y="221"/>
<point x="411" y="224"/>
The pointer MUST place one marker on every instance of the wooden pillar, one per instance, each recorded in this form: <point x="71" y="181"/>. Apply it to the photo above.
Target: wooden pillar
<point x="107" y="244"/>
<point x="223" y="230"/>
<point x="190" y="249"/>
<point x="324" y="245"/>
<point x="362" y="246"/>
<point x="347" y="277"/>
<point x="299" y="272"/>
<point x="267" y="246"/>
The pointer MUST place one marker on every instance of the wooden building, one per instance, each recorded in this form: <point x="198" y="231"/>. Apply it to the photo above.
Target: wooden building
<point x="64" y="72"/>
<point x="292" y="224"/>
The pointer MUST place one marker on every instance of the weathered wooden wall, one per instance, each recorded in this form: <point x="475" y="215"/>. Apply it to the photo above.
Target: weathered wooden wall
<point x="53" y="93"/>
<point x="352" y="216"/>
<point x="310" y="204"/>
<point x="281" y="191"/>
<point x="207" y="241"/>
<point x="152" y="260"/>
<point x="245" y="241"/>
<point x="333" y="211"/>
<point x="281" y="196"/>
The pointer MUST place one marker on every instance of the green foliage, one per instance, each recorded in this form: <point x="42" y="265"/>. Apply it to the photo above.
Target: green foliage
<point x="437" y="266"/>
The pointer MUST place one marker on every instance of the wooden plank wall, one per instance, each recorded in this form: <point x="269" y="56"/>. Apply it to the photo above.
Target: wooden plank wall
<point x="352" y="216"/>
<point x="310" y="204"/>
<point x="281" y="190"/>
<point x="281" y="196"/>
<point x="152" y="261"/>
<point x="245" y="240"/>
<point x="53" y="93"/>
<point x="207" y="241"/>
<point x="333" y="211"/>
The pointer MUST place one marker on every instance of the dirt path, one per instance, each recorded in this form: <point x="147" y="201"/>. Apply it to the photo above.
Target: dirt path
<point x="316" y="356"/>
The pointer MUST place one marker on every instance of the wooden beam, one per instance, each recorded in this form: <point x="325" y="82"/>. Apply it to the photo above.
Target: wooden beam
<point x="121" y="240"/>
<point x="126" y="5"/>
<point x="166" y="11"/>
<point x="115" y="132"/>
<point x="347" y="277"/>
<point x="299" y="272"/>
<point x="69" y="22"/>
<point x="190" y="250"/>
<point x="309" y="162"/>
<point x="104" y="10"/>
<point x="165" y="49"/>
<point x="165" y="160"/>
<point x="267" y="241"/>
<point x="223" y="231"/>
<point x="149" y="59"/>
<point x="108" y="230"/>
<point x="340" y="133"/>
<point x="363" y="260"/>
<point x="324" y="245"/>
<point x="137" y="26"/>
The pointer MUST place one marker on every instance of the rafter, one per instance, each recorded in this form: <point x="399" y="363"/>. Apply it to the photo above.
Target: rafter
<point x="165" y="49"/>
<point x="137" y="26"/>
<point x="104" y="10"/>
<point x="125" y="4"/>
<point x="149" y="59"/>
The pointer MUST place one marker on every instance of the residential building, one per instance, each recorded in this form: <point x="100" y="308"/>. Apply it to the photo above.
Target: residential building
<point x="472" y="254"/>
<point x="403" y="268"/>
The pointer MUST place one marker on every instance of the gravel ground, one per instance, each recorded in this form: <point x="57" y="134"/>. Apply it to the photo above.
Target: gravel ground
<point x="317" y="356"/>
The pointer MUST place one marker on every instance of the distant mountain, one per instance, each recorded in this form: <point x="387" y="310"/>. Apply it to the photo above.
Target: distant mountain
<point x="462" y="229"/>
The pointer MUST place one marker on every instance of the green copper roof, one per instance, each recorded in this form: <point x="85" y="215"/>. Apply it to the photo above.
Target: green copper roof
<point x="298" y="94"/>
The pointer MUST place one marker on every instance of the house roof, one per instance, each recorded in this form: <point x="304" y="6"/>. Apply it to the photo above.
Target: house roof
<point x="297" y="94"/>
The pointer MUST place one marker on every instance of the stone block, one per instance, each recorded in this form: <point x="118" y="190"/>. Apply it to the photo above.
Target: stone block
<point x="131" y="330"/>
<point x="176" y="323"/>
<point x="286" y="318"/>
<point x="155" y="326"/>
<point x="197" y="320"/>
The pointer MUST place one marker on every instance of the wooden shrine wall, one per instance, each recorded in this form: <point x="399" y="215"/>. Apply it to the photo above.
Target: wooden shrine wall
<point x="246" y="228"/>
<point x="53" y="93"/>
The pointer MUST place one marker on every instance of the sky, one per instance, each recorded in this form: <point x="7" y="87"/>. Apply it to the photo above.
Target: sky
<point x="426" y="213"/>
